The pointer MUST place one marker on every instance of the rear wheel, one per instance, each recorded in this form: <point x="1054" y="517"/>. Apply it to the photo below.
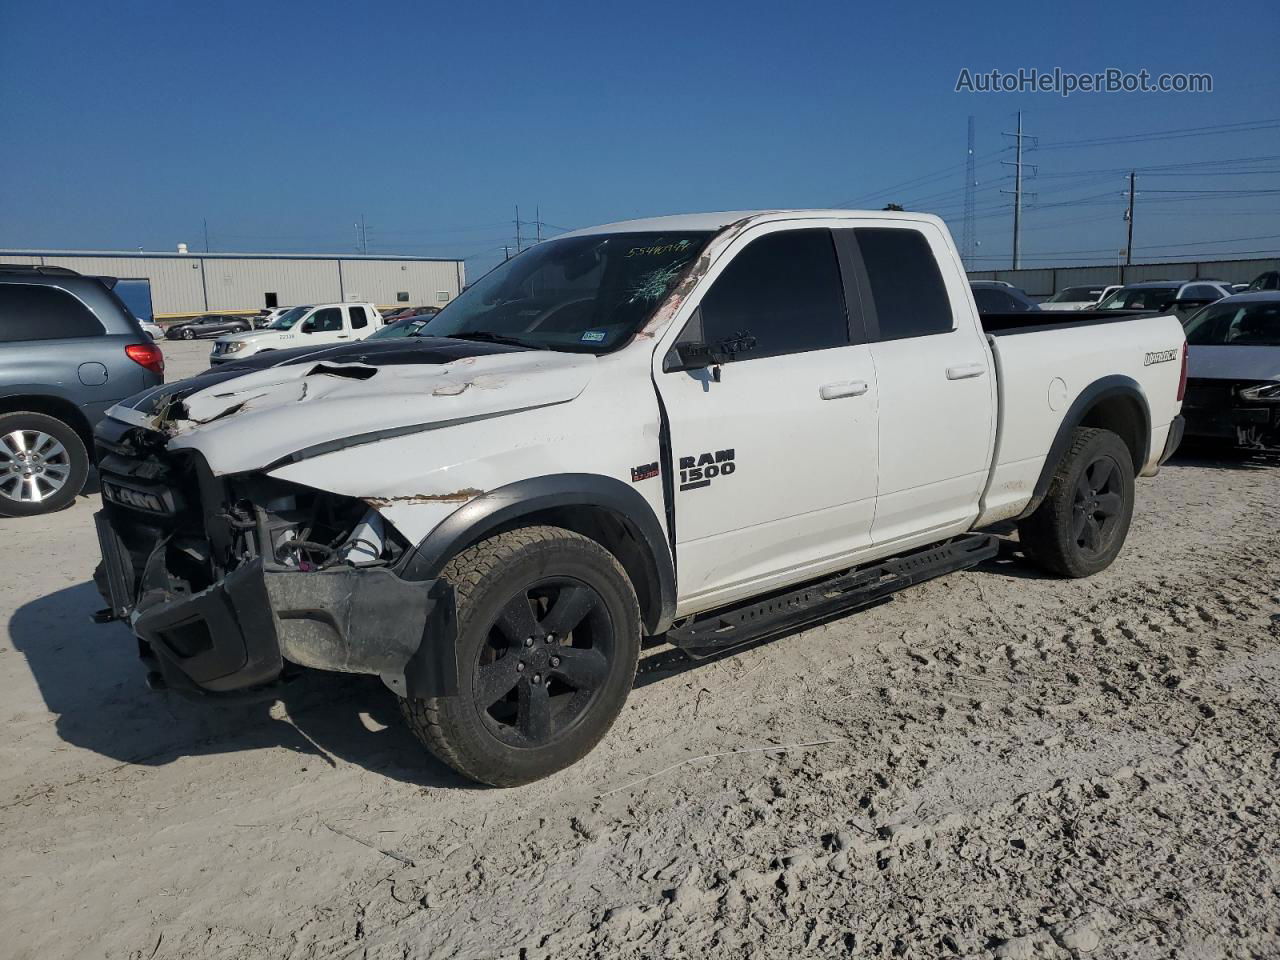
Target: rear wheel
<point x="43" y="464"/>
<point x="548" y="639"/>
<point x="1082" y="523"/>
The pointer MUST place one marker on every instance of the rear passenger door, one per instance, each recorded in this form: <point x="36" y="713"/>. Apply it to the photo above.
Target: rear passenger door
<point x="774" y="458"/>
<point x="934" y="374"/>
<point x="361" y="327"/>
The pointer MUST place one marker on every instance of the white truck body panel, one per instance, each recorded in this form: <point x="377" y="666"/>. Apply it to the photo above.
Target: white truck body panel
<point x="839" y="456"/>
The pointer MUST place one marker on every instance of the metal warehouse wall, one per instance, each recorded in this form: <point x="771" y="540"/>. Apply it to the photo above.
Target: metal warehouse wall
<point x="182" y="285"/>
<point x="244" y="284"/>
<point x="1046" y="281"/>
<point x="382" y="281"/>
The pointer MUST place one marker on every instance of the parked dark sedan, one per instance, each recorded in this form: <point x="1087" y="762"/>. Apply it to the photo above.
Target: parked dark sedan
<point x="209" y="325"/>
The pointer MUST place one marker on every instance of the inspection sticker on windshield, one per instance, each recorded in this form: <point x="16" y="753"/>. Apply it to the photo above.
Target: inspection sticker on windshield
<point x="593" y="336"/>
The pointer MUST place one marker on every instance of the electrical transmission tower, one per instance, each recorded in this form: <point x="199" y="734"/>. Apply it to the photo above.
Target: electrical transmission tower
<point x="536" y="223"/>
<point x="967" y="237"/>
<point x="1017" y="165"/>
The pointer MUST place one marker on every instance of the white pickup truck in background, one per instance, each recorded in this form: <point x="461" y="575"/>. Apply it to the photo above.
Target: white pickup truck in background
<point x="713" y="427"/>
<point x="308" y="326"/>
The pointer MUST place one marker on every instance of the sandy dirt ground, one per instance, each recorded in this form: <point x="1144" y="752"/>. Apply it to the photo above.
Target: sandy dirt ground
<point x="994" y="764"/>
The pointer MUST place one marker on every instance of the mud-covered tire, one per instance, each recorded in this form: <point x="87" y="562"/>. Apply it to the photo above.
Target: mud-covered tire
<point x="59" y="467"/>
<point x="1081" y="525"/>
<point x="584" y="674"/>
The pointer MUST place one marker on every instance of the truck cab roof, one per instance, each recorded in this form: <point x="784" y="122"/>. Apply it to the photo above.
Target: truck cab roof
<point x="692" y="222"/>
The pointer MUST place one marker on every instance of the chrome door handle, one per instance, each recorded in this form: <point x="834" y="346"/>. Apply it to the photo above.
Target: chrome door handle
<point x="847" y="388"/>
<point x="966" y="371"/>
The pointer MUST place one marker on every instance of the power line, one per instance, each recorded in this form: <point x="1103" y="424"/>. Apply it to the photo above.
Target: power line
<point x="1243" y="126"/>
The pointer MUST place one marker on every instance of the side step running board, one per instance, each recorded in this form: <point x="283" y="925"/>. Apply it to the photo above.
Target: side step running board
<point x="711" y="633"/>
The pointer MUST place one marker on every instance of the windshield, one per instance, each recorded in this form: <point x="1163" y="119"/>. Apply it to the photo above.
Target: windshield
<point x="1075" y="295"/>
<point x="1139" y="298"/>
<point x="400" y="328"/>
<point x="287" y="319"/>
<point x="579" y="293"/>
<point x="1236" y="324"/>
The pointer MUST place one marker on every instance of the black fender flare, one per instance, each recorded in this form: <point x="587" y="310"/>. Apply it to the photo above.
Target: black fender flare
<point x="1106" y="388"/>
<point x="503" y="506"/>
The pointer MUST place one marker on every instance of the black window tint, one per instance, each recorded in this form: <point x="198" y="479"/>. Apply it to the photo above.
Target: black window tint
<point x="29" y="312"/>
<point x="326" y="321"/>
<point x="994" y="301"/>
<point x="783" y="289"/>
<point x="358" y="317"/>
<point x="906" y="285"/>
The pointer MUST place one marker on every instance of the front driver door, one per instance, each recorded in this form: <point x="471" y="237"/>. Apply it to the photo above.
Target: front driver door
<point x="774" y="461"/>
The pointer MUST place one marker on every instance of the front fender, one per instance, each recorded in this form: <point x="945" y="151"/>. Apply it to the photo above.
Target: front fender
<point x="506" y="505"/>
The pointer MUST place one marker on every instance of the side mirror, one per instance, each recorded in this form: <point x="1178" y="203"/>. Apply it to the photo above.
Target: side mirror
<point x="691" y="355"/>
<point x="697" y="355"/>
<point x="309" y="327"/>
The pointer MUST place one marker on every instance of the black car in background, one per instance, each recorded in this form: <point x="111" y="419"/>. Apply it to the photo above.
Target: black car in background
<point x="996" y="296"/>
<point x="208" y="325"/>
<point x="69" y="349"/>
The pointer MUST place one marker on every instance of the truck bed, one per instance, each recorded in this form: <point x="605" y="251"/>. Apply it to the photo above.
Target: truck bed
<point x="1032" y="321"/>
<point x="1040" y="377"/>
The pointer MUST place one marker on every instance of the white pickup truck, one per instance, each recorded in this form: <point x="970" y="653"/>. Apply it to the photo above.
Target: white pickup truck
<point x="312" y="326"/>
<point x="711" y="428"/>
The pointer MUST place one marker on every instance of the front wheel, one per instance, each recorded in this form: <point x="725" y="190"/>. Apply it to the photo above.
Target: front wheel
<point x="1082" y="523"/>
<point x="188" y="334"/>
<point x="548" y="639"/>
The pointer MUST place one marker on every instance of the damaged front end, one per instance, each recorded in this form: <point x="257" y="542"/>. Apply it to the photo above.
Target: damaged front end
<point x="232" y="584"/>
<point x="1245" y="413"/>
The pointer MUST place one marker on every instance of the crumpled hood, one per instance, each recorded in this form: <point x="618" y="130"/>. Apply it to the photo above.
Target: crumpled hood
<point x="248" y="420"/>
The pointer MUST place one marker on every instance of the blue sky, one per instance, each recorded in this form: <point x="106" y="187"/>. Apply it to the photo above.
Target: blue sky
<point x="125" y="124"/>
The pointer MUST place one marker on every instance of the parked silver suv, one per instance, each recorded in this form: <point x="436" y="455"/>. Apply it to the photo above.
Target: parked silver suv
<point x="69" y="349"/>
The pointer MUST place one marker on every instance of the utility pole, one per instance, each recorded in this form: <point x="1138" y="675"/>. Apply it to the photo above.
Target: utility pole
<point x="1128" y="247"/>
<point x="364" y="235"/>
<point x="506" y="252"/>
<point x="519" y="244"/>
<point x="205" y="221"/>
<point x="537" y="220"/>
<point x="1017" y="191"/>
<point x="970" y="182"/>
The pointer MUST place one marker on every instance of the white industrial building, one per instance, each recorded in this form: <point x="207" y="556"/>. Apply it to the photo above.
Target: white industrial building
<point x="185" y="284"/>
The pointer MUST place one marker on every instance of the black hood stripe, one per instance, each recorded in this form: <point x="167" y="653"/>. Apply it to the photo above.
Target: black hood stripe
<point x="377" y="353"/>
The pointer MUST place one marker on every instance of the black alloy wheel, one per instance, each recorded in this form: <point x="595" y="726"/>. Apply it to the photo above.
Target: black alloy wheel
<point x="546" y="658"/>
<point x="1098" y="507"/>
<point x="548" y="637"/>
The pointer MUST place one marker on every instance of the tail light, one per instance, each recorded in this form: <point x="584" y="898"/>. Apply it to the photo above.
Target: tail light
<point x="1182" y="379"/>
<point x="146" y="355"/>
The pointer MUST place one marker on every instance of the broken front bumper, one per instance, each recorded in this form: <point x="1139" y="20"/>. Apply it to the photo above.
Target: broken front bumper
<point x="240" y="634"/>
<point x="1215" y="410"/>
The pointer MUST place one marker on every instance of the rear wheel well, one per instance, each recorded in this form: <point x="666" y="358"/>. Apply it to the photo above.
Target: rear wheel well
<point x="617" y="535"/>
<point x="1123" y="415"/>
<point x="56" y="407"/>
